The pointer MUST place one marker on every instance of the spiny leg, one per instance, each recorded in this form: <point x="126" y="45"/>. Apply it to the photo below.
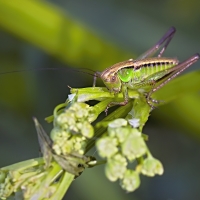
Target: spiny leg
<point x="123" y="103"/>
<point x="175" y="71"/>
<point x="164" y="40"/>
<point x="150" y="100"/>
<point x="152" y="84"/>
<point x="167" y="37"/>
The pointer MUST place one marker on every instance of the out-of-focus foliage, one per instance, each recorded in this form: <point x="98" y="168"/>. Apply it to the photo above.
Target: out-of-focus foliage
<point x="186" y="107"/>
<point x="54" y="31"/>
<point x="67" y="30"/>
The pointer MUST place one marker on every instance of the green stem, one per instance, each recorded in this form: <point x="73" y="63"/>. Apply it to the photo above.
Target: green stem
<point x="121" y="112"/>
<point x="64" y="184"/>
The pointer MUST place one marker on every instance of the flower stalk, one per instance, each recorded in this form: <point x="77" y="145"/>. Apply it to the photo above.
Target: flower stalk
<point x="118" y="139"/>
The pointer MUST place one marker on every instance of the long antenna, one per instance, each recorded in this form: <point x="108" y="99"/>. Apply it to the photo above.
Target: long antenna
<point x="50" y="68"/>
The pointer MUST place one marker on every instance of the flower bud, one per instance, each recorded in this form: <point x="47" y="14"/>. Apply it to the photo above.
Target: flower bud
<point x="130" y="181"/>
<point x="151" y="167"/>
<point x="115" y="167"/>
<point x="107" y="147"/>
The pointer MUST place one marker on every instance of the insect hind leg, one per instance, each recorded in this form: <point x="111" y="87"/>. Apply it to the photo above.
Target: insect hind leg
<point x="167" y="37"/>
<point x="173" y="73"/>
<point x="165" y="40"/>
<point x="151" y="102"/>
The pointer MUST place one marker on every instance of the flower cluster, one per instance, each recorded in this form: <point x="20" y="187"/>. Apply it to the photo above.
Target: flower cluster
<point x="122" y="145"/>
<point x="72" y="129"/>
<point x="118" y="137"/>
<point x="63" y="155"/>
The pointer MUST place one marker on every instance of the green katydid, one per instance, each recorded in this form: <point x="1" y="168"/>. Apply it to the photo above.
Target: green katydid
<point x="144" y="71"/>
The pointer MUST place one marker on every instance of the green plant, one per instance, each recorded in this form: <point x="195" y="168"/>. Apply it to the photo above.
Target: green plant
<point x="118" y="138"/>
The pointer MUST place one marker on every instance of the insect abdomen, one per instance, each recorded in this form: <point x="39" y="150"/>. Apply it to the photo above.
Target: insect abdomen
<point x="155" y="62"/>
<point x="147" y="70"/>
<point x="150" y="66"/>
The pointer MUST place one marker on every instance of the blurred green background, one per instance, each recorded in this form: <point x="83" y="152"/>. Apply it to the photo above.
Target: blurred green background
<point x="96" y="34"/>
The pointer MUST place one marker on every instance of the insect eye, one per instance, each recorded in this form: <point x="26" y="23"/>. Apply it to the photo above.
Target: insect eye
<point x="113" y="78"/>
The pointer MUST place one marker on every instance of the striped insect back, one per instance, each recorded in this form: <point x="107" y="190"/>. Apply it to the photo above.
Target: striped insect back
<point x="150" y="69"/>
<point x="155" y="65"/>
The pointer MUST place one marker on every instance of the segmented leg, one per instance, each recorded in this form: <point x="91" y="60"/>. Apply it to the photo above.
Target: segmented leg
<point x="96" y="74"/>
<point x="164" y="40"/>
<point x="151" y="102"/>
<point x="175" y="71"/>
<point x="123" y="103"/>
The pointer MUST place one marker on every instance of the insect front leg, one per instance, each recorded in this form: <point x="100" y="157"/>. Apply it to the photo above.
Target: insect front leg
<point x="96" y="74"/>
<point x="123" y="103"/>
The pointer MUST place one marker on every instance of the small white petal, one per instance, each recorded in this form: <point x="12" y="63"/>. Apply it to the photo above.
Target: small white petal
<point x="134" y="122"/>
<point x="71" y="96"/>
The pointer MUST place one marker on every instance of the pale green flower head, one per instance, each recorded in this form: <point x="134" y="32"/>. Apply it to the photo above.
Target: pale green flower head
<point x="134" y="145"/>
<point x="130" y="181"/>
<point x="107" y="147"/>
<point x="151" y="167"/>
<point x="116" y="167"/>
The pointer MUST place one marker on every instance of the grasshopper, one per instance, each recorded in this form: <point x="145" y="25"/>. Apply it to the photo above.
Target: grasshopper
<point x="146" y="74"/>
<point x="144" y="71"/>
